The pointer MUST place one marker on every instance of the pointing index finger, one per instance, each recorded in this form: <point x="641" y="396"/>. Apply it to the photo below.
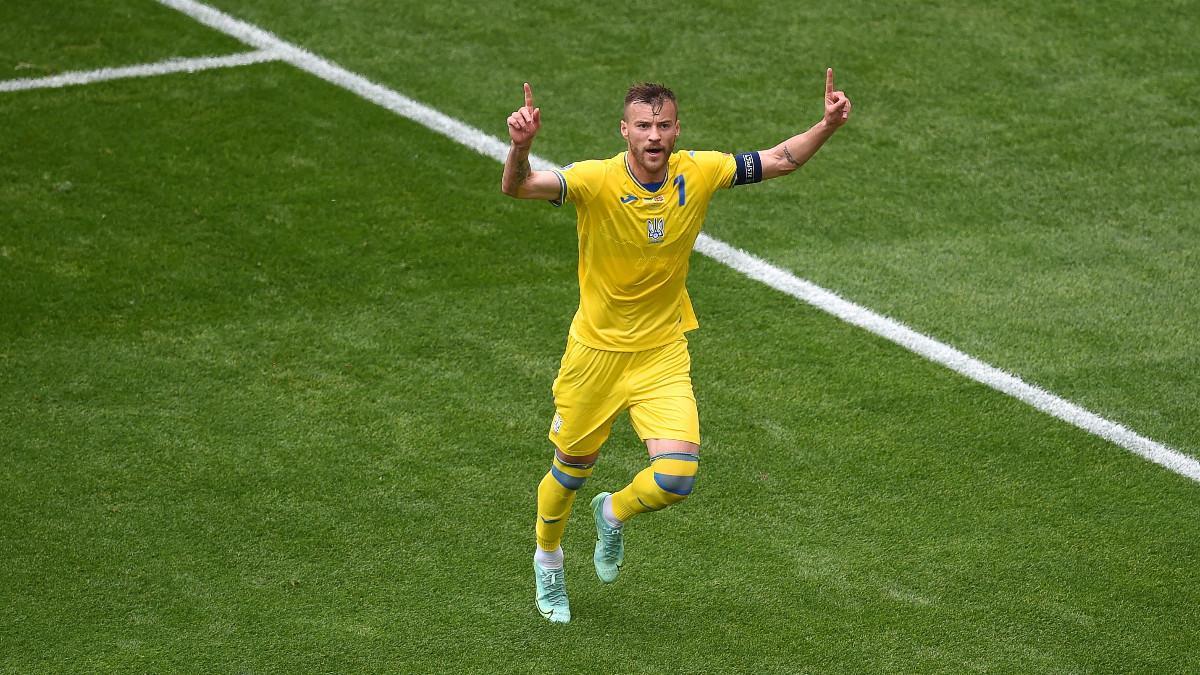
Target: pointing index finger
<point x="528" y="96"/>
<point x="828" y="82"/>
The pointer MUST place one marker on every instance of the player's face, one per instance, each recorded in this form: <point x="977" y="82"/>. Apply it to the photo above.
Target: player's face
<point x="650" y="130"/>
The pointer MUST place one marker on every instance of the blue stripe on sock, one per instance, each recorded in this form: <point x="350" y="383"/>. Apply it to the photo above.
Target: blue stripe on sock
<point x="676" y="485"/>
<point x="567" y="480"/>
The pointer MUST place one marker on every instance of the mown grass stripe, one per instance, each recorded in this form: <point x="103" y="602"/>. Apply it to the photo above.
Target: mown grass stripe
<point x="734" y="258"/>
<point x="167" y="67"/>
<point x="378" y="94"/>
<point x="948" y="356"/>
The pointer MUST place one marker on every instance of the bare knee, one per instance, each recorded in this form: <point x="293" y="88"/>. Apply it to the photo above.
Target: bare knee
<point x="665" y="446"/>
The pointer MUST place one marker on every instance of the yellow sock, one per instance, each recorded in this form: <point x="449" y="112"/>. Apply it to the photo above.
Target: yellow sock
<point x="556" y="494"/>
<point x="668" y="479"/>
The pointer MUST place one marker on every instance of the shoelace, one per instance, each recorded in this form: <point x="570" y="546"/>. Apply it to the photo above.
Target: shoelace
<point x="611" y="542"/>
<point x="556" y="589"/>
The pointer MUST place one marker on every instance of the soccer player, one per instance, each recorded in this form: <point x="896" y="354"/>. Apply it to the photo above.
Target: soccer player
<point x="639" y="214"/>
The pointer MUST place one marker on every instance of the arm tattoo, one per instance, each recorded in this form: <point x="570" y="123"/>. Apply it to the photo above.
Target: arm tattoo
<point x="523" y="171"/>
<point x="788" y="156"/>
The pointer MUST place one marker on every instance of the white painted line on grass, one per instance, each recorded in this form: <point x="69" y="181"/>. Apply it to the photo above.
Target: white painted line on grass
<point x="142" y="70"/>
<point x="334" y="74"/>
<point x="736" y="259"/>
<point x="890" y="329"/>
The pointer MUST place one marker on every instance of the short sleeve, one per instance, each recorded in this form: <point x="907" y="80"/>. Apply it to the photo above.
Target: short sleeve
<point x="579" y="182"/>
<point x="718" y="167"/>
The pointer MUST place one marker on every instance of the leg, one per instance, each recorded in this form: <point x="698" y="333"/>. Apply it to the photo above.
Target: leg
<point x="556" y="494"/>
<point x="664" y="415"/>
<point x="668" y="480"/>
<point x="663" y="412"/>
<point x="585" y="409"/>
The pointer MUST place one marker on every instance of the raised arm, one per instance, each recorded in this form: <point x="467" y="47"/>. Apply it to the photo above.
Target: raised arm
<point x="519" y="180"/>
<point x="795" y="151"/>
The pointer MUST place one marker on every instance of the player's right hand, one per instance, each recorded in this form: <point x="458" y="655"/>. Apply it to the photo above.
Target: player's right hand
<point x="523" y="124"/>
<point x="837" y="105"/>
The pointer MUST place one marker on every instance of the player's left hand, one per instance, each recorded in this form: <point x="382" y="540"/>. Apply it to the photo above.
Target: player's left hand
<point x="837" y="106"/>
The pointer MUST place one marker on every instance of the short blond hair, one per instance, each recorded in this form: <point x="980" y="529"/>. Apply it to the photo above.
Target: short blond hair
<point x="650" y="92"/>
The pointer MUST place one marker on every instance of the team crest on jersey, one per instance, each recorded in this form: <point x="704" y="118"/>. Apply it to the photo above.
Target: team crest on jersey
<point x="654" y="229"/>
<point x="628" y="199"/>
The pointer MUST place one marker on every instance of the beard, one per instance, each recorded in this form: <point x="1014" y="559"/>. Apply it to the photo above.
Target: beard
<point x="653" y="156"/>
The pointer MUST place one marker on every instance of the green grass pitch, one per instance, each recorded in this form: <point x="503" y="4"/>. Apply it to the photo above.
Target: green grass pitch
<point x="275" y="363"/>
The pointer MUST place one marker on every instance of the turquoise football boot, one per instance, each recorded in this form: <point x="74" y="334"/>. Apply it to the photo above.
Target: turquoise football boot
<point x="551" y="594"/>
<point x="610" y="543"/>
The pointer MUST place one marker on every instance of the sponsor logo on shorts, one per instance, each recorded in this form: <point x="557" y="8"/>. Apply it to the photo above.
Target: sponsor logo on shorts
<point x="556" y="425"/>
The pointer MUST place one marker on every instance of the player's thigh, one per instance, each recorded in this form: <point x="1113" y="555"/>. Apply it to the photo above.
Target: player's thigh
<point x="663" y="404"/>
<point x="673" y="418"/>
<point x="587" y="399"/>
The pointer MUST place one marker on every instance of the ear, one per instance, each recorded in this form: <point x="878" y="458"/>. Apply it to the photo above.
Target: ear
<point x="624" y="130"/>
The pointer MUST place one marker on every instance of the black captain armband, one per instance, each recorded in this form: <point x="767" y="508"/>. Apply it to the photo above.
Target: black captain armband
<point x="749" y="168"/>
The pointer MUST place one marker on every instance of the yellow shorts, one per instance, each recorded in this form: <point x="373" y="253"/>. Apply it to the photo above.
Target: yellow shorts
<point x="594" y="386"/>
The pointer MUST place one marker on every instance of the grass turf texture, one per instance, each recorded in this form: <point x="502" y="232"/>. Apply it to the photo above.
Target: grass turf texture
<point x="275" y="376"/>
<point x="39" y="39"/>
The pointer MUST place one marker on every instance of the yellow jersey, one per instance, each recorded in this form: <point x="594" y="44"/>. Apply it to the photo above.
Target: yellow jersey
<point x="635" y="243"/>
